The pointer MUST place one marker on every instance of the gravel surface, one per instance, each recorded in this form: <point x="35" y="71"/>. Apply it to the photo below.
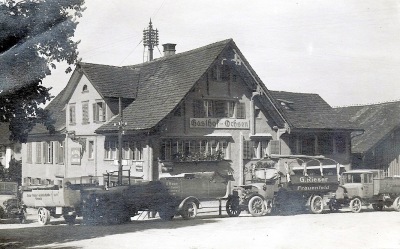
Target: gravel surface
<point x="368" y="229"/>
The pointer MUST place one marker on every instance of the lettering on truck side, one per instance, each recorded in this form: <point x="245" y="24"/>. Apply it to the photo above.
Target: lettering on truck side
<point x="304" y="179"/>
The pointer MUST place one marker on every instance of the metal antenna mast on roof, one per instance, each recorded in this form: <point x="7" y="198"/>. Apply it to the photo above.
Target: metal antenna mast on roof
<point x="150" y="39"/>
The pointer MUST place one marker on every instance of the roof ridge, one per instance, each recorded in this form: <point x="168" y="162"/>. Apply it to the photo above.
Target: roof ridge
<point x="211" y="45"/>
<point x="370" y="104"/>
<point x="278" y="91"/>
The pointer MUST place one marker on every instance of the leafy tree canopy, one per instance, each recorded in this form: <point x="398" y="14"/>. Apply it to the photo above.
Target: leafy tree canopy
<point x="34" y="34"/>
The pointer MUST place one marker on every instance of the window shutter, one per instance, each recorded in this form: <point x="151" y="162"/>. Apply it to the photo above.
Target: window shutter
<point x="45" y="152"/>
<point x="94" y="112"/>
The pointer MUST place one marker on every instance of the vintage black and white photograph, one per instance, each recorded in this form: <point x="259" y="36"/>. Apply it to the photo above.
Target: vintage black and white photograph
<point x="199" y="124"/>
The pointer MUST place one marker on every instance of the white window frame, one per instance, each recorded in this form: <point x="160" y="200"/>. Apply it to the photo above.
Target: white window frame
<point x="72" y="114"/>
<point x="97" y="118"/>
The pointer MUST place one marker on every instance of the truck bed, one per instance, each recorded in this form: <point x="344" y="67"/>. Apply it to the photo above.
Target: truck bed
<point x="389" y="185"/>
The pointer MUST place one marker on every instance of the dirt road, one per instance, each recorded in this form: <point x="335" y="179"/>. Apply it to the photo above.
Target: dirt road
<point x="368" y="229"/>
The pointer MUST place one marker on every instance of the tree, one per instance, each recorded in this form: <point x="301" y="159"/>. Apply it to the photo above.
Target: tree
<point x="34" y="35"/>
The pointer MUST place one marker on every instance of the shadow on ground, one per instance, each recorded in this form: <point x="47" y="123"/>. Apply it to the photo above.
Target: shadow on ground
<point x="57" y="232"/>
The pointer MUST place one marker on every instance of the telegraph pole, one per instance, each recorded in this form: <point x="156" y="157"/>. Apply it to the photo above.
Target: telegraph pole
<point x="121" y="125"/>
<point x="150" y="39"/>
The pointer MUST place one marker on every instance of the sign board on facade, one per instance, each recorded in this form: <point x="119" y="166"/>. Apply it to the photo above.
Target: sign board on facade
<point x="220" y="123"/>
<point x="76" y="156"/>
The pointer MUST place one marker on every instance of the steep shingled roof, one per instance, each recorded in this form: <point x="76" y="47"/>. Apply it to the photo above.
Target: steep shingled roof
<point x="378" y="121"/>
<point x="309" y="111"/>
<point x="111" y="81"/>
<point x="164" y="82"/>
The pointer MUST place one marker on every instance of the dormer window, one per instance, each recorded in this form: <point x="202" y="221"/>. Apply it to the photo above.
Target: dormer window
<point x="85" y="88"/>
<point x="285" y="104"/>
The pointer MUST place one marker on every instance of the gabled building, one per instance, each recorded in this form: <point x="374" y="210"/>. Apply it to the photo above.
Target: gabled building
<point x="379" y="146"/>
<point x="201" y="110"/>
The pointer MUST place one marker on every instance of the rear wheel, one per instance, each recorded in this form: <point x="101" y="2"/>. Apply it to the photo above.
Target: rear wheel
<point x="189" y="210"/>
<point x="396" y="204"/>
<point x="355" y="205"/>
<point x="43" y="216"/>
<point x="256" y="206"/>
<point x="232" y="207"/>
<point x="377" y="207"/>
<point x="317" y="205"/>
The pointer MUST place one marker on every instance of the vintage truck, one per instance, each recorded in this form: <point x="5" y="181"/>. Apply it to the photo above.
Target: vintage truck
<point x="171" y="195"/>
<point x="286" y="183"/>
<point x="364" y="187"/>
<point x="56" y="200"/>
<point x="10" y="202"/>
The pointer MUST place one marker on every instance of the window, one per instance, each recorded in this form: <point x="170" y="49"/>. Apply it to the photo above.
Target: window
<point x="194" y="150"/>
<point x="38" y="152"/>
<point x="85" y="112"/>
<point x="308" y="145"/>
<point x="72" y="118"/>
<point x="110" y="150"/>
<point x="275" y="147"/>
<point x="91" y="150"/>
<point x="340" y="144"/>
<point x="85" y="88"/>
<point x="59" y="154"/>
<point x="325" y="144"/>
<point x="29" y="153"/>
<point x="99" y="112"/>
<point x="256" y="149"/>
<point x="241" y="111"/>
<point x="218" y="109"/>
<point x="135" y="151"/>
<point x="221" y="72"/>
<point x="48" y="152"/>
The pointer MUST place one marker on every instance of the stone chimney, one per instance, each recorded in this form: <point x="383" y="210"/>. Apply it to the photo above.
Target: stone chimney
<point x="169" y="49"/>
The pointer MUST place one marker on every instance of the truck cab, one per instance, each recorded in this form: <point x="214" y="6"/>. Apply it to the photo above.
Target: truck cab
<point x="358" y="183"/>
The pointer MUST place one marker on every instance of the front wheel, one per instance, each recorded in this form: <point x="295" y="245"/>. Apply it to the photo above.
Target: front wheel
<point x="396" y="204"/>
<point x="189" y="210"/>
<point x="232" y="207"/>
<point x="355" y="205"/>
<point x="256" y="206"/>
<point x="317" y="205"/>
<point x="43" y="216"/>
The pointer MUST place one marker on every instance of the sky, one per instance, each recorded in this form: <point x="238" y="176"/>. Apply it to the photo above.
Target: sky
<point x="347" y="51"/>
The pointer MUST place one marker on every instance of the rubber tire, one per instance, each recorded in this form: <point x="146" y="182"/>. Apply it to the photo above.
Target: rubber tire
<point x="69" y="219"/>
<point x="256" y="206"/>
<point x="317" y="205"/>
<point x="232" y="207"/>
<point x="396" y="204"/>
<point x="355" y="205"/>
<point x="43" y="216"/>
<point x="377" y="207"/>
<point x="189" y="210"/>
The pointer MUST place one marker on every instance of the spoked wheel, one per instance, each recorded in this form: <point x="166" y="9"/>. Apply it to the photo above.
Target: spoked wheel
<point x="70" y="219"/>
<point x="377" y="207"/>
<point x="256" y="206"/>
<point x="355" y="205"/>
<point x="189" y="210"/>
<point x="317" y="205"/>
<point x="268" y="206"/>
<point x="232" y="207"/>
<point x="396" y="204"/>
<point x="43" y="216"/>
